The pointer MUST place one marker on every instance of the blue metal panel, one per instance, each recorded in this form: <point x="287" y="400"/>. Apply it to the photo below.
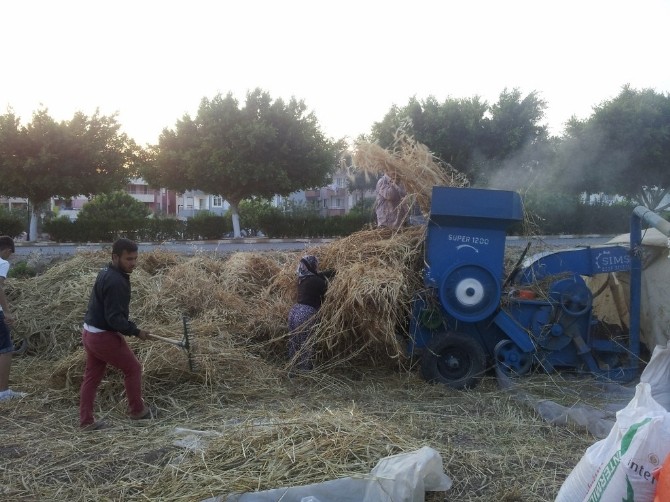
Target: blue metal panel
<point x="516" y="332"/>
<point x="581" y="261"/>
<point x="465" y="248"/>
<point x="495" y="207"/>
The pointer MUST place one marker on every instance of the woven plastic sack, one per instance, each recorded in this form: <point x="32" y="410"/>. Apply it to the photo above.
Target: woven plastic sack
<point x="620" y="467"/>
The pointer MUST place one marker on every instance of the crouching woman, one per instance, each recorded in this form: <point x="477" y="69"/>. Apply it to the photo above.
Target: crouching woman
<point x="312" y="287"/>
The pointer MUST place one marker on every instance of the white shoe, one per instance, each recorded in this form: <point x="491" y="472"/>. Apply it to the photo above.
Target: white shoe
<point x="8" y="394"/>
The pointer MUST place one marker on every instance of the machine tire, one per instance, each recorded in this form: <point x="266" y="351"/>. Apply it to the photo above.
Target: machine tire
<point x="453" y="359"/>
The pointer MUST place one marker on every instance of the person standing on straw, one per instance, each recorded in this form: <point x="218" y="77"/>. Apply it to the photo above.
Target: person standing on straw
<point x="6" y="320"/>
<point x="390" y="207"/>
<point x="301" y="319"/>
<point x="105" y="324"/>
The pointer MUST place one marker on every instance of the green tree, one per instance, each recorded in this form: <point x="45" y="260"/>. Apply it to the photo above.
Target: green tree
<point x="383" y="132"/>
<point x="360" y="181"/>
<point x="112" y="215"/>
<point x="480" y="140"/>
<point x="254" y="212"/>
<point x="113" y="206"/>
<point x="622" y="148"/>
<point x="452" y="130"/>
<point x="514" y="123"/>
<point x="45" y="158"/>
<point x="264" y="148"/>
<point x="517" y="151"/>
<point x="11" y="222"/>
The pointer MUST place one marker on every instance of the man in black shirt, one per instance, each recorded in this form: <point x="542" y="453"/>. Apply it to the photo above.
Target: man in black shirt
<point x="106" y="323"/>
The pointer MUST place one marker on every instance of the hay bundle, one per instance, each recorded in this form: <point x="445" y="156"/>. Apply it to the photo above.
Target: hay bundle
<point x="194" y="286"/>
<point x="380" y="247"/>
<point x="246" y="274"/>
<point x="156" y="300"/>
<point x="364" y="312"/>
<point x="50" y="307"/>
<point x="367" y="303"/>
<point x="68" y="371"/>
<point x="414" y="166"/>
<point x="283" y="284"/>
<point x="158" y="260"/>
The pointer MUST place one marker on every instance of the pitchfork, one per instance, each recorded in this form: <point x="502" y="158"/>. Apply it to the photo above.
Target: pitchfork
<point x="184" y="343"/>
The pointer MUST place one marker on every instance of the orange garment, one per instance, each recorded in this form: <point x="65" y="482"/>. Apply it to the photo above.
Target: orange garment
<point x="662" y="476"/>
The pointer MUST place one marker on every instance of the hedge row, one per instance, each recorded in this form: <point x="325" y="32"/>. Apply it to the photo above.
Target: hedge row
<point x="202" y="227"/>
<point x="149" y="229"/>
<point x="555" y="214"/>
<point x="549" y="216"/>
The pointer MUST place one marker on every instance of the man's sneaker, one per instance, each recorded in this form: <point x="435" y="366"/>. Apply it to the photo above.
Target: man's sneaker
<point x="8" y="394"/>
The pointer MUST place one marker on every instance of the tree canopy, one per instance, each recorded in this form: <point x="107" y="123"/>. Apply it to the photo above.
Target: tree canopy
<point x="113" y="206"/>
<point x="622" y="148"/>
<point x="44" y="159"/>
<point x="261" y="149"/>
<point x="476" y="138"/>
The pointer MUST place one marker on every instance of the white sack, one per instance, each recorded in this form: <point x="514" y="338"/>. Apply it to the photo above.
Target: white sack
<point x="398" y="478"/>
<point x="620" y="466"/>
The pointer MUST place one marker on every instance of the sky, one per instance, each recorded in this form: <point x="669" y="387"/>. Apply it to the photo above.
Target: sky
<point x="151" y="62"/>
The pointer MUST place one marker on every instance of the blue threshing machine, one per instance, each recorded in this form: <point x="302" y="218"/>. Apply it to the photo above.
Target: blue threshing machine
<point x="470" y="317"/>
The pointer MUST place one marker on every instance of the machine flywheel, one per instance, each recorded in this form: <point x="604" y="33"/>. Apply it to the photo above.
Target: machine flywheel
<point x="511" y="360"/>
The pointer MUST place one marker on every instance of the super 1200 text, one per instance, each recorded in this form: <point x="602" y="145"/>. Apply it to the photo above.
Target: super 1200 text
<point x="466" y="239"/>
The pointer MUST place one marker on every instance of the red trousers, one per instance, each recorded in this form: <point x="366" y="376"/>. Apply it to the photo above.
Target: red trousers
<point x="102" y="349"/>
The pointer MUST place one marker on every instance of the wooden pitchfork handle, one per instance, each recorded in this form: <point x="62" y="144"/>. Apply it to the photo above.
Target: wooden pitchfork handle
<point x="178" y="343"/>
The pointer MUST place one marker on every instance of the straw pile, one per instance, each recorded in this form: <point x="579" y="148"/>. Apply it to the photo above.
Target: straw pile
<point x="238" y="305"/>
<point x="367" y="303"/>
<point x="51" y="306"/>
<point x="412" y="164"/>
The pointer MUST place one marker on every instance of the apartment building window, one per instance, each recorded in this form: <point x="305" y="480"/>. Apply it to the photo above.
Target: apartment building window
<point x="339" y="182"/>
<point x="217" y="201"/>
<point x="325" y="203"/>
<point x="338" y="202"/>
<point x="64" y="203"/>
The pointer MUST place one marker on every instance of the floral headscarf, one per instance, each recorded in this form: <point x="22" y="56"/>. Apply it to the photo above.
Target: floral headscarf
<point x="303" y="271"/>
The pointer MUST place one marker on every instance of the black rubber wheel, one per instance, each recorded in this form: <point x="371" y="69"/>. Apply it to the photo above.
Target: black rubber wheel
<point x="453" y="359"/>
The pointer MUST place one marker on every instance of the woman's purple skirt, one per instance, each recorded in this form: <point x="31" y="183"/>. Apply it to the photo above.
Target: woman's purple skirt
<point x="301" y="320"/>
